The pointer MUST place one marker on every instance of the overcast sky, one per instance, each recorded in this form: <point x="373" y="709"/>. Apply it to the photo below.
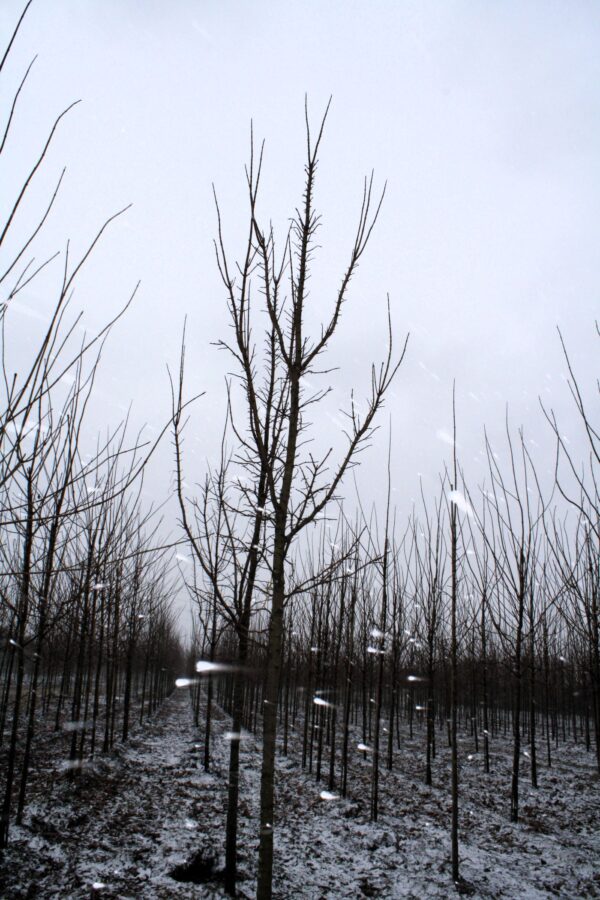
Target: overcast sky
<point x="483" y="117"/>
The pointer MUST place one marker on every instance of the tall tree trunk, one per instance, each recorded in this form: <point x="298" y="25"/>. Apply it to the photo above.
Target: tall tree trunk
<point x="454" y="675"/>
<point x="484" y="685"/>
<point x="273" y="673"/>
<point x="19" y="650"/>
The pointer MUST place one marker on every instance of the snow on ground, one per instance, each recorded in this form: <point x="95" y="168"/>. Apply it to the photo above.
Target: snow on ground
<point x="131" y="818"/>
<point x="137" y="815"/>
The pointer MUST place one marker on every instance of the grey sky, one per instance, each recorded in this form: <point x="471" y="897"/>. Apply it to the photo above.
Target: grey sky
<point x="484" y="118"/>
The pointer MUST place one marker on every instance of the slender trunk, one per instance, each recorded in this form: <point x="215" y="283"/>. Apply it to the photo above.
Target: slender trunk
<point x="514" y="795"/>
<point x="532" y="705"/>
<point x="7" y="686"/>
<point x="430" y="707"/>
<point x="231" y="828"/>
<point x="128" y="678"/>
<point x="379" y="645"/>
<point x="97" y="679"/>
<point x="30" y="721"/>
<point x="210" y="688"/>
<point x="484" y="685"/>
<point x="273" y="673"/>
<point x="309" y="688"/>
<point x="23" y="612"/>
<point x="454" y="687"/>
<point x="349" y="668"/>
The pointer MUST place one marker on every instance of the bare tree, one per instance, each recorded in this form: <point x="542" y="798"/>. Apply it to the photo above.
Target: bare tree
<point x="299" y="485"/>
<point x="512" y="539"/>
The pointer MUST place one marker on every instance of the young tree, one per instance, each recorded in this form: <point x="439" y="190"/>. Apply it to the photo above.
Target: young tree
<point x="227" y="544"/>
<point x="512" y="539"/>
<point x="455" y="502"/>
<point x="299" y="485"/>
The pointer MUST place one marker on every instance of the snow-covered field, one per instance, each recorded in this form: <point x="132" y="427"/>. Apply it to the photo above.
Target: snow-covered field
<point x="133" y="818"/>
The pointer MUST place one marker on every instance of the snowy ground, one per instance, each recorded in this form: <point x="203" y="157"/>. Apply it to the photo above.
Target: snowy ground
<point x="133" y="818"/>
